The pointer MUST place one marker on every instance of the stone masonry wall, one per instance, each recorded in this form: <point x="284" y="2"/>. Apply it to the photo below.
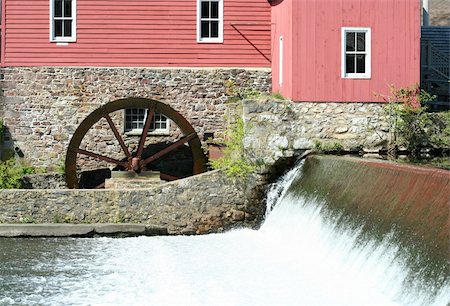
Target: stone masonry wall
<point x="210" y="202"/>
<point x="276" y="129"/>
<point x="42" y="106"/>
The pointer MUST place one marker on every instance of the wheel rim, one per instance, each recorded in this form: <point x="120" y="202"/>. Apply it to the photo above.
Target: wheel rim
<point x="130" y="162"/>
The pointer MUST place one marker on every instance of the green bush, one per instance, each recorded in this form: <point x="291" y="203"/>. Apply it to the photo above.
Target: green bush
<point x="411" y="128"/>
<point x="236" y="93"/>
<point x="328" y="147"/>
<point x="416" y="129"/>
<point x="440" y="130"/>
<point x="233" y="161"/>
<point x="11" y="174"/>
<point x="411" y="125"/>
<point x="277" y="95"/>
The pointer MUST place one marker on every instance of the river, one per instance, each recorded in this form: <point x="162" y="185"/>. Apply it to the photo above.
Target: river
<point x="298" y="257"/>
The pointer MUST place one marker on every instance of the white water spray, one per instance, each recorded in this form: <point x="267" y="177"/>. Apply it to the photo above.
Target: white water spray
<point x="278" y="190"/>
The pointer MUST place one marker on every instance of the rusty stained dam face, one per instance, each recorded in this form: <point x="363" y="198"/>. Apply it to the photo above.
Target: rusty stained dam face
<point x="338" y="231"/>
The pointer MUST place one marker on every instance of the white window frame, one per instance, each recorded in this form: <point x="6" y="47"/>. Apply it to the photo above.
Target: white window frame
<point x="368" y="52"/>
<point x="199" y="24"/>
<point x="72" y="38"/>
<point x="281" y="64"/>
<point x="134" y="132"/>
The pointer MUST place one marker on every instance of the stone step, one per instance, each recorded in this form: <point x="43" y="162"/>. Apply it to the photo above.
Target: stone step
<point x="80" y="230"/>
<point x="132" y="180"/>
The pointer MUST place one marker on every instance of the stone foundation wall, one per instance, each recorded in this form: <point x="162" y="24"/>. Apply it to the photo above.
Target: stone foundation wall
<point x="210" y="202"/>
<point x="42" y="106"/>
<point x="277" y="129"/>
<point x="44" y="181"/>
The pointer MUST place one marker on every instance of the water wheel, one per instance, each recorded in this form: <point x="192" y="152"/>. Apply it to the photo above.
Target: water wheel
<point x="139" y="159"/>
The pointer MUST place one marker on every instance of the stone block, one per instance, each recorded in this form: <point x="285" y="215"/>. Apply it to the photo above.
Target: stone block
<point x="279" y="142"/>
<point x="46" y="230"/>
<point x="302" y="143"/>
<point x="119" y="228"/>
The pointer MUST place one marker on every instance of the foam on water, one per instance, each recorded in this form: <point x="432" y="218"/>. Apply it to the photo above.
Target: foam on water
<point x="296" y="258"/>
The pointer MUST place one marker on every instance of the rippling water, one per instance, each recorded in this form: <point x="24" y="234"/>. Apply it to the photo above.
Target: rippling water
<point x="296" y="258"/>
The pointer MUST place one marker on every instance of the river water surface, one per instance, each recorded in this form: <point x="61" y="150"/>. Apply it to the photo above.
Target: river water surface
<point x="297" y="257"/>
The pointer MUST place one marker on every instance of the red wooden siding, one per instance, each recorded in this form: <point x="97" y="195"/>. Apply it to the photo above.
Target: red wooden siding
<point x="2" y="29"/>
<point x="148" y="33"/>
<point x="282" y="26"/>
<point x="316" y="47"/>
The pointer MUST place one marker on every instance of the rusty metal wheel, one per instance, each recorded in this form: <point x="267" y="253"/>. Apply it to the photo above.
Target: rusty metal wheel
<point x="132" y="161"/>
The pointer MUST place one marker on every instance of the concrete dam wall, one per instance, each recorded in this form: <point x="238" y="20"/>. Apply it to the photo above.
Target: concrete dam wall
<point x="366" y="192"/>
<point x="383" y="195"/>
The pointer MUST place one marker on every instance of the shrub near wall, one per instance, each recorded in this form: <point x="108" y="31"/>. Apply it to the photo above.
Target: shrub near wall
<point x="411" y="126"/>
<point x="11" y="173"/>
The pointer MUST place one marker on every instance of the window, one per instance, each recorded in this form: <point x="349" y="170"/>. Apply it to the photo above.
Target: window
<point x="210" y="21"/>
<point x="135" y="121"/>
<point x="63" y="20"/>
<point x="356" y="53"/>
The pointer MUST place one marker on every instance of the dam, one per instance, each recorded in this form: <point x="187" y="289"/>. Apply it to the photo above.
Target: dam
<point x="316" y="246"/>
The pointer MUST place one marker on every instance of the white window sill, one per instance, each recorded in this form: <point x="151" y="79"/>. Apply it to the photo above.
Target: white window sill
<point x="63" y="40"/>
<point x="356" y="76"/>
<point x="210" y="41"/>
<point x="152" y="133"/>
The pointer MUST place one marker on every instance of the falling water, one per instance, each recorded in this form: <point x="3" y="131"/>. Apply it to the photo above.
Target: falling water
<point x="301" y="255"/>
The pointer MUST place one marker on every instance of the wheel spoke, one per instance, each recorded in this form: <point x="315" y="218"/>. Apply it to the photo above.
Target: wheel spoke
<point x="117" y="134"/>
<point x="151" y="112"/>
<point x="101" y="186"/>
<point x="168" y="177"/>
<point x="170" y="148"/>
<point x="101" y="157"/>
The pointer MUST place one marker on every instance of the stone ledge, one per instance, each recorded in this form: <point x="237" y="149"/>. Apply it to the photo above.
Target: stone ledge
<point x="79" y="230"/>
<point x="107" y="229"/>
<point x="204" y="203"/>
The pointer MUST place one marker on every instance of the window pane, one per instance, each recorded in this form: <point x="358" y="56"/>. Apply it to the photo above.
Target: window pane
<point x="350" y="63"/>
<point x="67" y="28"/>
<point x="205" y="29"/>
<point x="58" y="28"/>
<point x="68" y="8"/>
<point x="361" y="41"/>
<point x="58" y="8"/>
<point x="214" y="29"/>
<point x="361" y="63"/>
<point x="214" y="9"/>
<point x="205" y="9"/>
<point x="350" y="41"/>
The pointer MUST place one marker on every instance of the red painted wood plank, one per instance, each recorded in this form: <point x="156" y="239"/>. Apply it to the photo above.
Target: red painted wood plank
<point x="3" y="33"/>
<point x="132" y="63"/>
<point x="316" y="56"/>
<point x="141" y="33"/>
